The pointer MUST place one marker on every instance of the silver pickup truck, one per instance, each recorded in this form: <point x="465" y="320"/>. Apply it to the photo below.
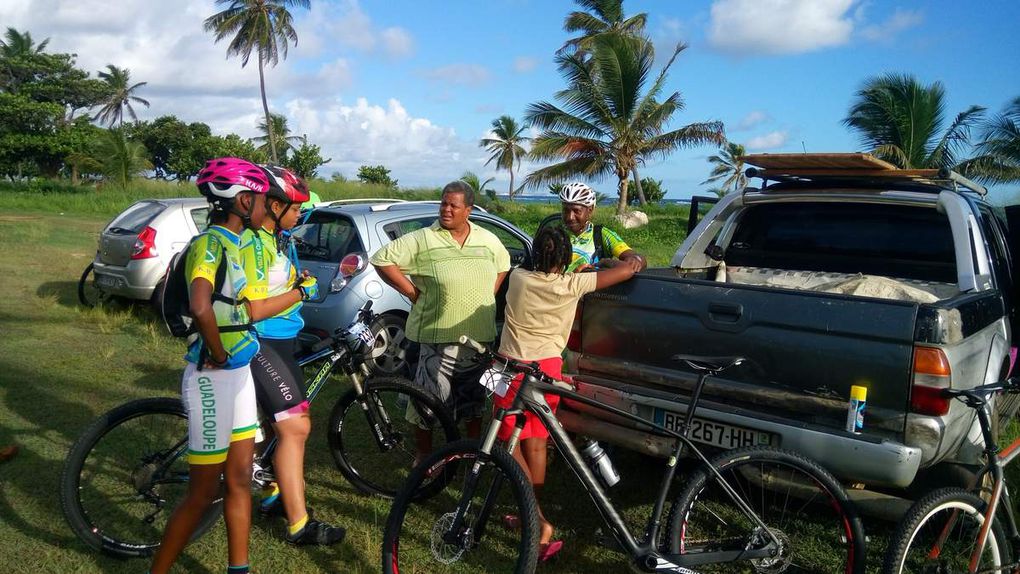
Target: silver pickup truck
<point x="852" y="273"/>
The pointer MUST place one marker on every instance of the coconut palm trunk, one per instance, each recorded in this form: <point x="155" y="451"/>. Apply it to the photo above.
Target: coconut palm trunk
<point x="637" y="187"/>
<point x="621" y="206"/>
<point x="265" y="108"/>
<point x="510" y="193"/>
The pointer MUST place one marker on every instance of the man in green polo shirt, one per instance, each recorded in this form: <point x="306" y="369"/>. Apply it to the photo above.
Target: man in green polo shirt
<point x="451" y="272"/>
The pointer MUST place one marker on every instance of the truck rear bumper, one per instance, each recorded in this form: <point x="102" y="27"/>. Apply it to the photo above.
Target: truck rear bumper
<point x="858" y="458"/>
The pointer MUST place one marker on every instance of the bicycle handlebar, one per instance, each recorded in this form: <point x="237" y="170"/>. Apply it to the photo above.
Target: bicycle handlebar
<point x="487" y="356"/>
<point x="1009" y="385"/>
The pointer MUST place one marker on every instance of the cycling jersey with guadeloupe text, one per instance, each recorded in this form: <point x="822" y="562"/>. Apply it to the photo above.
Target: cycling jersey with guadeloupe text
<point x="270" y="273"/>
<point x="204" y="256"/>
<point x="583" y="246"/>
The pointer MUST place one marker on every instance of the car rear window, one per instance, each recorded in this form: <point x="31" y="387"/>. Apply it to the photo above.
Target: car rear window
<point x="327" y="237"/>
<point x="874" y="239"/>
<point x="134" y="219"/>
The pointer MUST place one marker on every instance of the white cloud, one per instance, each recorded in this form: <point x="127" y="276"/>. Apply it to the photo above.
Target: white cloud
<point x="472" y="75"/>
<point x="751" y="120"/>
<point x="524" y="64"/>
<point x="899" y="21"/>
<point x="397" y="42"/>
<point x="416" y="150"/>
<point x="754" y="27"/>
<point x="771" y="140"/>
<point x="345" y="25"/>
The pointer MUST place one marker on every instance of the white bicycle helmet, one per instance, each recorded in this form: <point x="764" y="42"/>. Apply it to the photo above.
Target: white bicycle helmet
<point x="577" y="192"/>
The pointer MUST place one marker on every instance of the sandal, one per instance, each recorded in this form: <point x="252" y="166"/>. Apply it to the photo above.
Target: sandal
<point x="548" y="551"/>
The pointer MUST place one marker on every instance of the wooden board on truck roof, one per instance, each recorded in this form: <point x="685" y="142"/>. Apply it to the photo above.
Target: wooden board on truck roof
<point x="817" y="161"/>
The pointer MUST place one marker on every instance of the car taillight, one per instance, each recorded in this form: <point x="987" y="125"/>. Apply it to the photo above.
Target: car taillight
<point x="145" y="245"/>
<point x="351" y="265"/>
<point x="931" y="375"/>
<point x="574" y="341"/>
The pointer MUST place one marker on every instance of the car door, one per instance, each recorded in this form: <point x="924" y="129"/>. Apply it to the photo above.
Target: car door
<point x="516" y="242"/>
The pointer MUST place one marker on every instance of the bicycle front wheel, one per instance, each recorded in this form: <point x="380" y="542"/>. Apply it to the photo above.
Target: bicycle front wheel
<point x="806" y="514"/>
<point x="459" y="529"/>
<point x="126" y="474"/>
<point x="939" y="533"/>
<point x="372" y="438"/>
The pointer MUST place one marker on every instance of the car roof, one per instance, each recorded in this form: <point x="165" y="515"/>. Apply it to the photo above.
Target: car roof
<point x="184" y="201"/>
<point x="402" y="208"/>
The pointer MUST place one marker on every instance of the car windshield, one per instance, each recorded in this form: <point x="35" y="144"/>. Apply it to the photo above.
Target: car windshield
<point x="326" y="237"/>
<point x="135" y="218"/>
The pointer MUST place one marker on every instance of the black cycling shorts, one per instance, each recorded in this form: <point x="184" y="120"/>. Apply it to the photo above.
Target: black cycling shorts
<point x="279" y="384"/>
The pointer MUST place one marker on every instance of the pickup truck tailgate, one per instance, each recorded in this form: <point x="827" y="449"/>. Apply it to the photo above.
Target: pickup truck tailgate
<point x="810" y="347"/>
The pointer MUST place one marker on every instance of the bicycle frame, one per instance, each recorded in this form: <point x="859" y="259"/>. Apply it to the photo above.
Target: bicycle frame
<point x="995" y="463"/>
<point x="530" y="397"/>
<point x="263" y="473"/>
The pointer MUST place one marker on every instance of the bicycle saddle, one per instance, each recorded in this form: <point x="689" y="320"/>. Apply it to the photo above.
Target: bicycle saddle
<point x="710" y="364"/>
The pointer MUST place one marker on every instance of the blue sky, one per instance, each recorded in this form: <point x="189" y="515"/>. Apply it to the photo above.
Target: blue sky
<point x="413" y="85"/>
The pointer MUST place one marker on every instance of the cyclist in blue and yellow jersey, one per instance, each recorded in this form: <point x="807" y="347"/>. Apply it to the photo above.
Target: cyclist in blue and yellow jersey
<point x="593" y="245"/>
<point x="278" y="378"/>
<point x="217" y="385"/>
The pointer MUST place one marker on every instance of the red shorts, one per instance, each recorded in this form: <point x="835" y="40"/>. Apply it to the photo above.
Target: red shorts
<point x="533" y="427"/>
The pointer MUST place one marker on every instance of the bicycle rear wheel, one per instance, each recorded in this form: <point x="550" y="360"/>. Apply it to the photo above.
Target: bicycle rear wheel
<point x="125" y="475"/>
<point x="939" y="533"/>
<point x="90" y="294"/>
<point x="800" y="503"/>
<point x="459" y="529"/>
<point x="372" y="441"/>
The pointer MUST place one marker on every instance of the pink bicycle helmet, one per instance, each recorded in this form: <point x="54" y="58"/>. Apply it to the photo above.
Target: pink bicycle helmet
<point x="225" y="177"/>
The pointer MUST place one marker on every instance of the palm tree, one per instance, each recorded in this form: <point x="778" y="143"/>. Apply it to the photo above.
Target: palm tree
<point x="998" y="159"/>
<point x="119" y="158"/>
<point x="261" y="25"/>
<point x="599" y="17"/>
<point x="900" y="121"/>
<point x="610" y="121"/>
<point x="280" y="134"/>
<point x="505" y="146"/>
<point x="729" y="168"/>
<point x="476" y="183"/>
<point x="122" y="94"/>
<point x="20" y="44"/>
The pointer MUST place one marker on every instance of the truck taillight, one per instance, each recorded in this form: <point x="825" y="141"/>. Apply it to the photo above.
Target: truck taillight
<point x="574" y="341"/>
<point x="931" y="375"/>
<point x="145" y="245"/>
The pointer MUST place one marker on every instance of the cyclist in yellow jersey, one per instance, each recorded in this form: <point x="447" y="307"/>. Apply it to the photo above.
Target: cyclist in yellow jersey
<point x="217" y="387"/>
<point x="590" y="250"/>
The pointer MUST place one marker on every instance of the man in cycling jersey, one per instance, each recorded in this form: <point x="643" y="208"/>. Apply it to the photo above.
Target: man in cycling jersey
<point x="593" y="245"/>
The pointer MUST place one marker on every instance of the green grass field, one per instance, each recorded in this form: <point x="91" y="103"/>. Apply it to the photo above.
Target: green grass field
<point x="61" y="366"/>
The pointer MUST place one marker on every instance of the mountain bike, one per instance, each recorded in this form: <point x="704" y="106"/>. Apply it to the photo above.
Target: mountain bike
<point x="128" y="471"/>
<point x="760" y="509"/>
<point x="955" y="530"/>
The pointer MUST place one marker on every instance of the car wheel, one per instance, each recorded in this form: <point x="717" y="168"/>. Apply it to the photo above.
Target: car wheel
<point x="393" y="352"/>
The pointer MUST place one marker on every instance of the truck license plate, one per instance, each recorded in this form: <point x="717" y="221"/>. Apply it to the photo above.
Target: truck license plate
<point x="712" y="433"/>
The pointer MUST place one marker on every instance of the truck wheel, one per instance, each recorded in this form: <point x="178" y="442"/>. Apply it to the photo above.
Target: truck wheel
<point x="943" y="475"/>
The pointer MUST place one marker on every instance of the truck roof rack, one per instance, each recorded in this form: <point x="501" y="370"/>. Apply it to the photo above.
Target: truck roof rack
<point x="829" y="167"/>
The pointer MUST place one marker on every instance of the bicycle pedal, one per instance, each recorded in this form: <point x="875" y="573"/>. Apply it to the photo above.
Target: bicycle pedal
<point x="606" y="541"/>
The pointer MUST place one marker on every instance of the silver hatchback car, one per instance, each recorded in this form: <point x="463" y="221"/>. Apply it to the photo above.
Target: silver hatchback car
<point x="135" y="248"/>
<point x="334" y="244"/>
